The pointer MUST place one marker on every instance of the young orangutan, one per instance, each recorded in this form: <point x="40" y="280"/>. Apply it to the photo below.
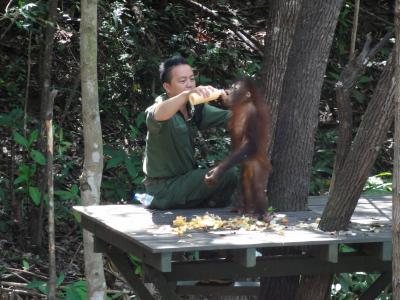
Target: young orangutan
<point x="249" y="128"/>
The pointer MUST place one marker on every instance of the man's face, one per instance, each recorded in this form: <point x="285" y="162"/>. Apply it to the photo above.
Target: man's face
<point x="182" y="79"/>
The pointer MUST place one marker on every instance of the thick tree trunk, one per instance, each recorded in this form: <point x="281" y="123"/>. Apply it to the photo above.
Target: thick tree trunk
<point x="297" y="121"/>
<point x="90" y="181"/>
<point x="298" y="110"/>
<point x="351" y="177"/>
<point x="315" y="287"/>
<point x="47" y="57"/>
<point x="396" y="169"/>
<point x="278" y="41"/>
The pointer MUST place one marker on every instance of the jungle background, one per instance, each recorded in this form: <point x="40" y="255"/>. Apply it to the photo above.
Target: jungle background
<point x="133" y="38"/>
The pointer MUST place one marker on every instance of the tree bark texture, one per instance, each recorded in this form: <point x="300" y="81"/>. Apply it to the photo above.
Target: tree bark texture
<point x="50" y="189"/>
<point x="298" y="110"/>
<point x="16" y="204"/>
<point x="315" y="287"/>
<point x="282" y="21"/>
<point x="350" y="179"/>
<point x="47" y="57"/>
<point x="348" y="78"/>
<point x="90" y="180"/>
<point x="279" y="288"/>
<point x="396" y="164"/>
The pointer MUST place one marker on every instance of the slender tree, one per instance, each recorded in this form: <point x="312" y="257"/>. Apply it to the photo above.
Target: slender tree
<point x="47" y="58"/>
<point x="364" y="150"/>
<point x="50" y="189"/>
<point x="396" y="171"/>
<point x="93" y="145"/>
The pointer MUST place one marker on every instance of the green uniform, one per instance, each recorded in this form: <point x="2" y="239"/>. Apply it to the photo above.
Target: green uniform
<point x="173" y="177"/>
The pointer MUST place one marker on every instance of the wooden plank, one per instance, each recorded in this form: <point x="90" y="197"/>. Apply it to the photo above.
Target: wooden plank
<point x="134" y="228"/>
<point x="166" y="289"/>
<point x="245" y="257"/>
<point x="236" y="289"/>
<point x="328" y="253"/>
<point x="124" y="266"/>
<point x="377" y="287"/>
<point x="275" y="267"/>
<point x="322" y="200"/>
<point x="161" y="261"/>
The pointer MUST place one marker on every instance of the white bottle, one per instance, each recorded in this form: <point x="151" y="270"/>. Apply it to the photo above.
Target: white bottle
<point x="195" y="98"/>
<point x="144" y="199"/>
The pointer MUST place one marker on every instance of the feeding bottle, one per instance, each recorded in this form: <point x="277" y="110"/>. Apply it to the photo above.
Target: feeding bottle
<point x="195" y="98"/>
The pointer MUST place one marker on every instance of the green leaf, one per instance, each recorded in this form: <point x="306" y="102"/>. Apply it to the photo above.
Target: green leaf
<point x="33" y="136"/>
<point x="38" y="284"/>
<point x="132" y="170"/>
<point x="140" y="119"/>
<point x="60" y="279"/>
<point x="65" y="195"/>
<point x="38" y="157"/>
<point x="20" y="179"/>
<point x="76" y="290"/>
<point x="384" y="174"/>
<point x="74" y="189"/>
<point x="34" y="194"/>
<point x="364" y="79"/>
<point x="25" y="265"/>
<point x="359" y="96"/>
<point x="114" y="162"/>
<point x="77" y="216"/>
<point x="25" y="170"/>
<point x="21" y="140"/>
<point x="72" y="294"/>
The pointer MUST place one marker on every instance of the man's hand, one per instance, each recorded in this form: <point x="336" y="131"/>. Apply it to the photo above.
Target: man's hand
<point x="212" y="176"/>
<point x="203" y="90"/>
<point x="225" y="97"/>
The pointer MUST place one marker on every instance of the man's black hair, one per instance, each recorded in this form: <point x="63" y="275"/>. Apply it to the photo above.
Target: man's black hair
<point x="167" y="65"/>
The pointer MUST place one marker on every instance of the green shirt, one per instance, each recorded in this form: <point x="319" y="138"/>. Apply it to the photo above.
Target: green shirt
<point x="169" y="144"/>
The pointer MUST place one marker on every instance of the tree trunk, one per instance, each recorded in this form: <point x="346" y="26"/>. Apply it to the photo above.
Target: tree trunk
<point x="278" y="42"/>
<point x="396" y="169"/>
<point x="298" y="110"/>
<point x="47" y="57"/>
<point x="90" y="181"/>
<point x="314" y="287"/>
<point x="16" y="204"/>
<point x="348" y="78"/>
<point x="279" y="288"/>
<point x="50" y="189"/>
<point x="297" y="120"/>
<point x="351" y="177"/>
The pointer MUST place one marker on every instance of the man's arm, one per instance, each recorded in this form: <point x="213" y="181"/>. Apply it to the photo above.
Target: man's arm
<point x="166" y="109"/>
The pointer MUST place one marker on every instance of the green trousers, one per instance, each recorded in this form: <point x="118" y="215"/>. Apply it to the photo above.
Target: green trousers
<point x="189" y="191"/>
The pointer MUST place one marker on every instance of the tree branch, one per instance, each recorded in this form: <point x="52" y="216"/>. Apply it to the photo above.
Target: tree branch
<point x="244" y="36"/>
<point x="348" y="78"/>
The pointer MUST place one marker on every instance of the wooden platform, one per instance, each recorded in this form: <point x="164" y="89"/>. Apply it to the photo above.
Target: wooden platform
<point x="147" y="235"/>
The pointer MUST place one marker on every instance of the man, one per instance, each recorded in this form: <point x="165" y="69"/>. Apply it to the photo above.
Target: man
<point x="172" y="176"/>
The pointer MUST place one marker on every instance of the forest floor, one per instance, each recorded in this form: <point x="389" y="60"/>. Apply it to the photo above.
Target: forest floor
<point x="24" y="271"/>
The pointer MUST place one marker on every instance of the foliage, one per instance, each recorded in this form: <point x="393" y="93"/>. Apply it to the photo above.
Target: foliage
<point x="322" y="167"/>
<point x="349" y="286"/>
<point x="379" y="184"/>
<point x="25" y="182"/>
<point x="134" y="37"/>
